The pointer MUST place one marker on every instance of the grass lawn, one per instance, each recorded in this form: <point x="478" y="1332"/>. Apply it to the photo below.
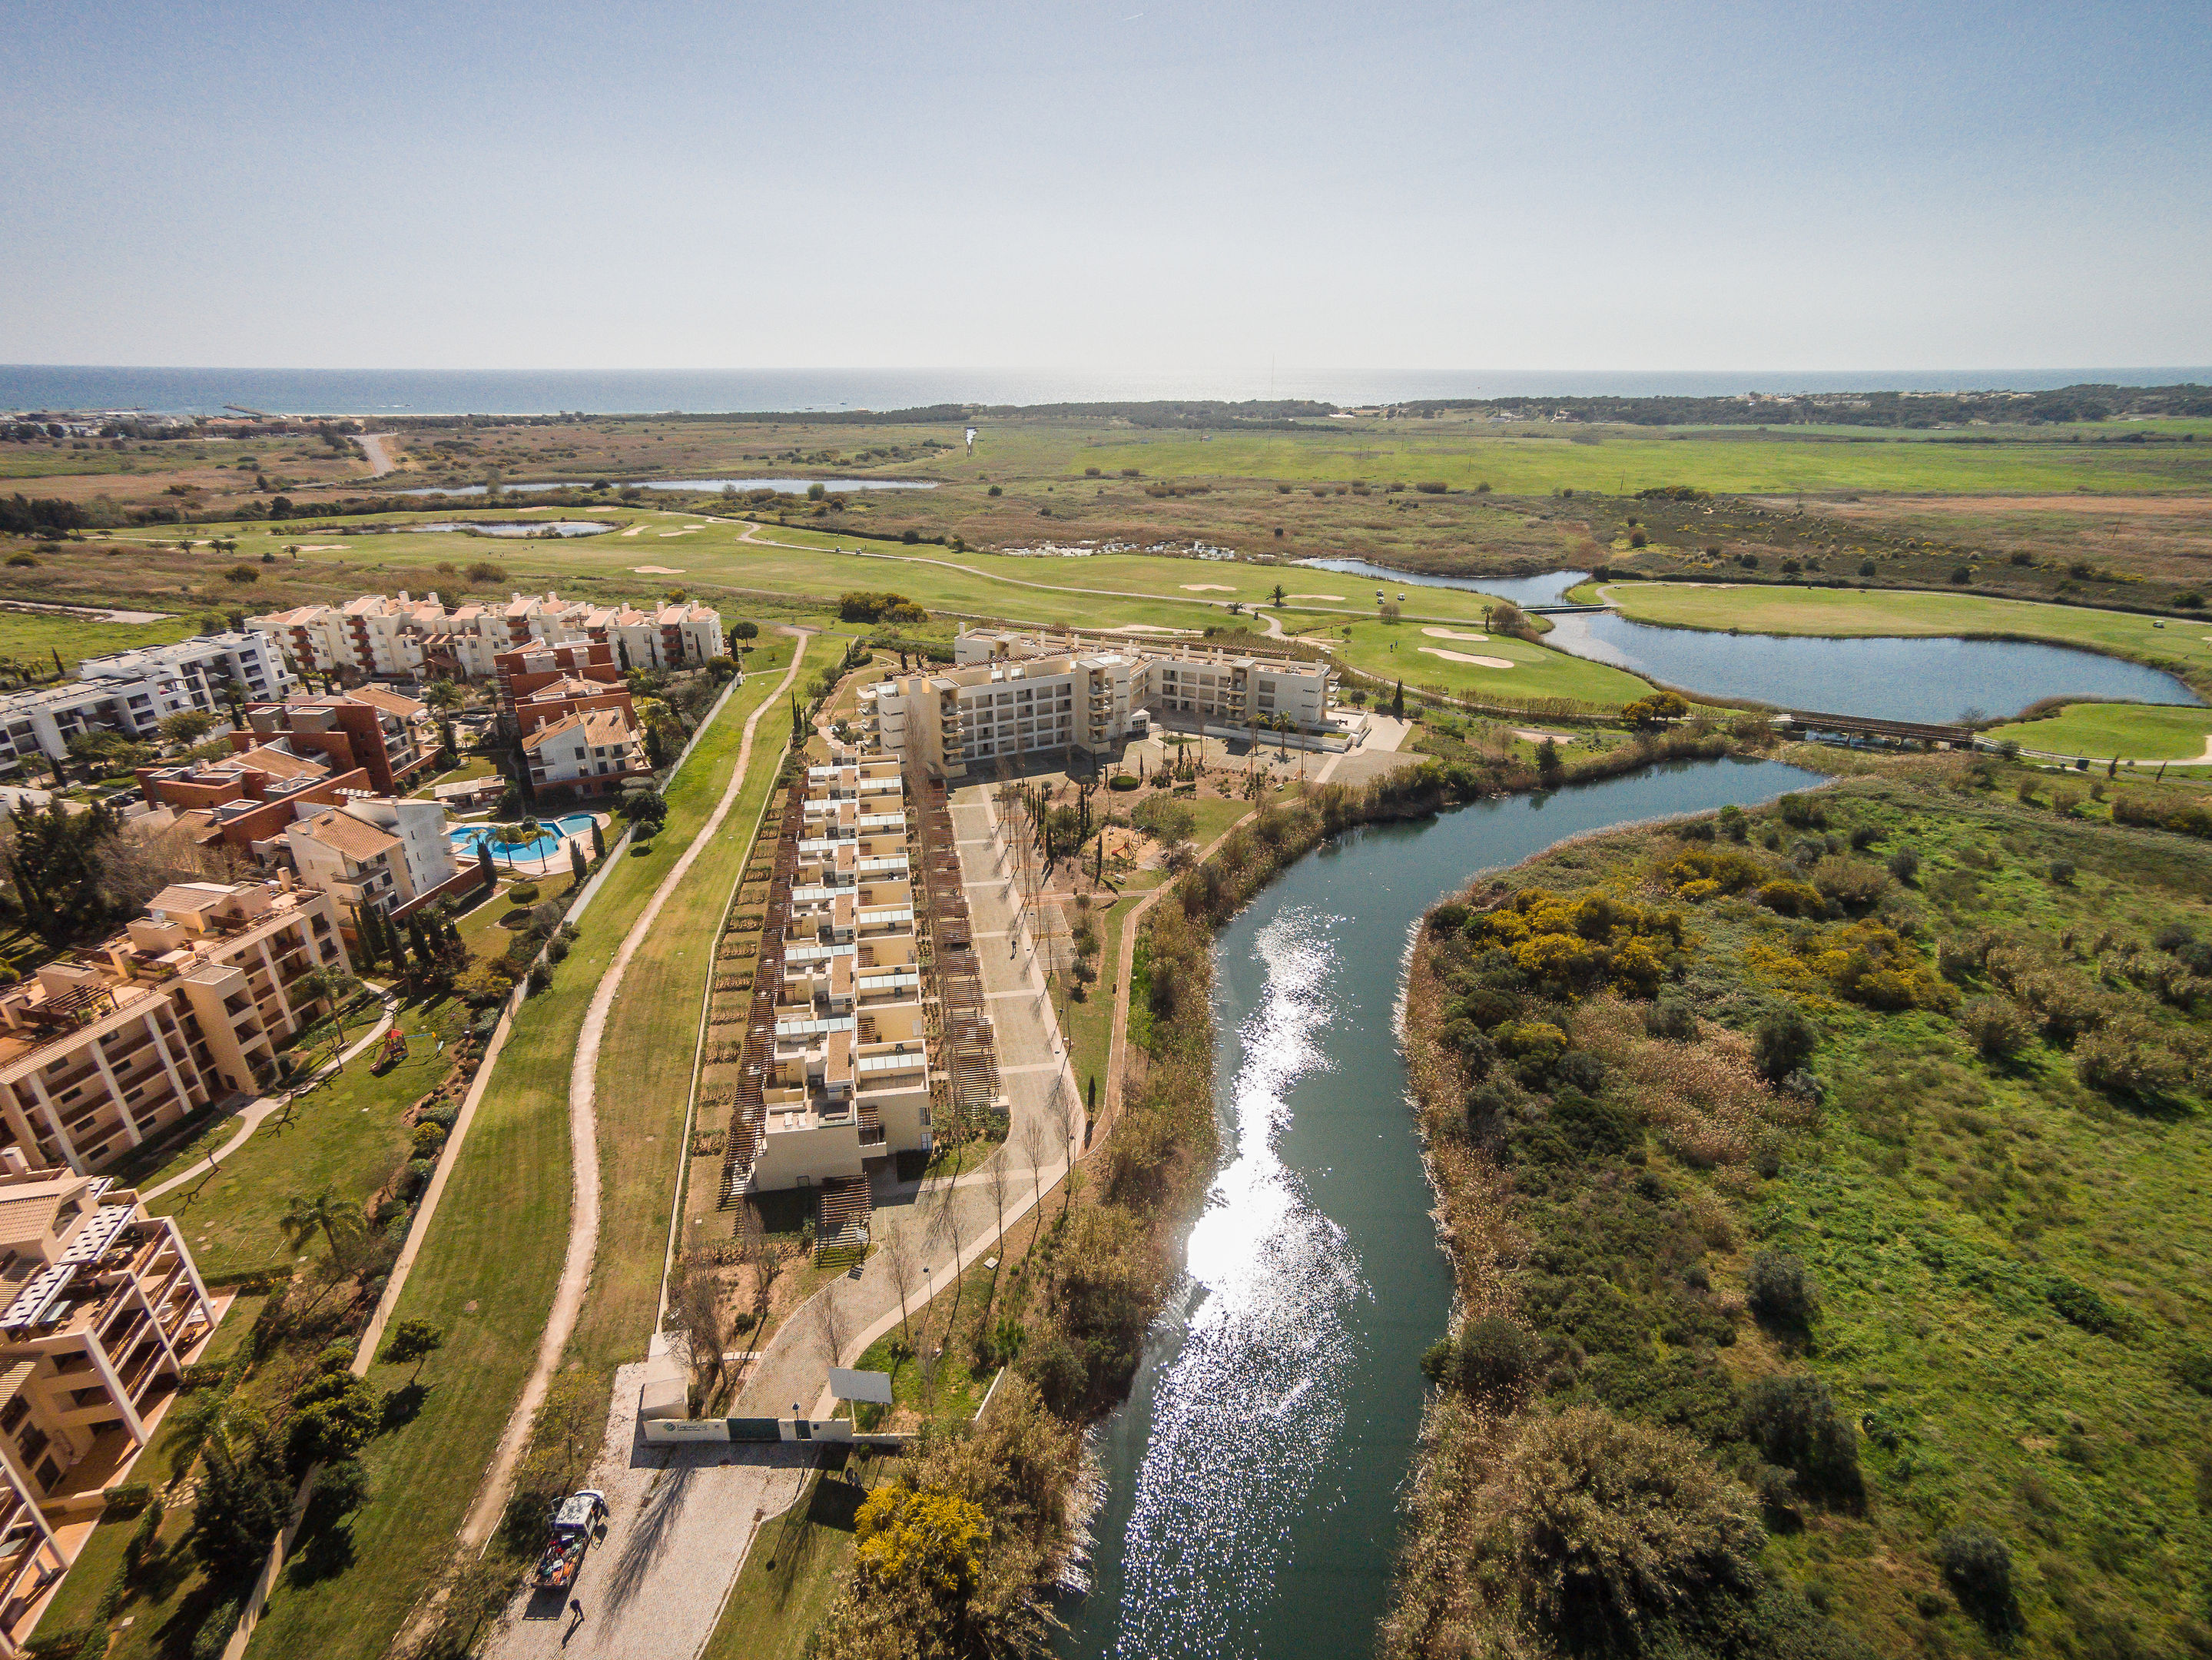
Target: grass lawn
<point x="344" y="1136"/>
<point x="2134" y="732"/>
<point x="2181" y="648"/>
<point x="798" y="1562"/>
<point x="33" y="637"/>
<point x="474" y="766"/>
<point x="487" y="1271"/>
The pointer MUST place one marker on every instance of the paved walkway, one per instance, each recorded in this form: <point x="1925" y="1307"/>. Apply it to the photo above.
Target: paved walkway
<point x="947" y="1225"/>
<point x="258" y="1111"/>
<point x="584" y="1144"/>
<point x="680" y="1520"/>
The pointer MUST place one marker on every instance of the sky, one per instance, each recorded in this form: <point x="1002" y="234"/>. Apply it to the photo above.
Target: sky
<point x="1143" y="183"/>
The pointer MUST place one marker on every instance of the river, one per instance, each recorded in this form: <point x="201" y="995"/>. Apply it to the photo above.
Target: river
<point x="1888" y="679"/>
<point x="1252" y="1478"/>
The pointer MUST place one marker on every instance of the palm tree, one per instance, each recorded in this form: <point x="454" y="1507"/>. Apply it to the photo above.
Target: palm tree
<point x="1279" y="596"/>
<point x="325" y="1214"/>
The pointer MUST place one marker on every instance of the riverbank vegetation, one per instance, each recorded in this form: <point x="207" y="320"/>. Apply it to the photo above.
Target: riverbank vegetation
<point x="1823" y="1188"/>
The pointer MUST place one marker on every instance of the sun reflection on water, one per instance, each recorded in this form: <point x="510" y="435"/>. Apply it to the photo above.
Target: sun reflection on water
<point x="1247" y="1419"/>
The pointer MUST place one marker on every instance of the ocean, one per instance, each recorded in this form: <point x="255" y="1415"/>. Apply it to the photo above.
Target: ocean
<point x="373" y="392"/>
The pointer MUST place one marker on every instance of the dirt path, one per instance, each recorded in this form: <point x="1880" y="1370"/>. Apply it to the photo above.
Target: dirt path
<point x="1118" y="1052"/>
<point x="584" y="1149"/>
<point x="377" y="446"/>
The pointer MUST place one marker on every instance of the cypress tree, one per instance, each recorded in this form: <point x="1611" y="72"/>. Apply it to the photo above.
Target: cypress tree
<point x="1398" y="703"/>
<point x="576" y="863"/>
<point x="365" y="945"/>
<point x="484" y="863"/>
<point x="599" y="842"/>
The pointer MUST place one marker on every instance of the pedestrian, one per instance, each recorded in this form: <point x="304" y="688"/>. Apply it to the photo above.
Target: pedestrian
<point x="576" y="1606"/>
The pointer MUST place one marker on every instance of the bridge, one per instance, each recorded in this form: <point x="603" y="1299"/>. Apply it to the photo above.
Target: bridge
<point x="1856" y="726"/>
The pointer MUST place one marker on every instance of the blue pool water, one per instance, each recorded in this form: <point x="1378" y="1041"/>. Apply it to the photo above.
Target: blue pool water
<point x="466" y="838"/>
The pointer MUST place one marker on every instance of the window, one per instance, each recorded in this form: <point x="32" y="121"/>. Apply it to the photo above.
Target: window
<point x="12" y="1419"/>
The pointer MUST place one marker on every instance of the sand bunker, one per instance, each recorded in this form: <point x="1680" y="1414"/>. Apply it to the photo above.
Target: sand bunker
<point x="657" y="570"/>
<point x="686" y="530"/>
<point x="1467" y="657"/>
<point x="1449" y="633"/>
<point x="633" y="530"/>
<point x="1316" y="596"/>
<point x="1206" y="588"/>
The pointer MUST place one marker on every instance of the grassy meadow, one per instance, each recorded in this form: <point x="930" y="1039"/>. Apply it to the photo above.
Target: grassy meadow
<point x="1987" y="1163"/>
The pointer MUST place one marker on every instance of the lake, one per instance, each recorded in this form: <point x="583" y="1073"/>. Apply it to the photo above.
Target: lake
<point x="781" y="486"/>
<point x="1933" y="680"/>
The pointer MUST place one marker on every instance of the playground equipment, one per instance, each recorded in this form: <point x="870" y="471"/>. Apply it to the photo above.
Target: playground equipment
<point x="391" y="1052"/>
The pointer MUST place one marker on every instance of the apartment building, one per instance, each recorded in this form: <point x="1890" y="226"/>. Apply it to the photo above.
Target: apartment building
<point x="187" y="1006"/>
<point x="595" y="752"/>
<point x="539" y="683"/>
<point x="131" y="692"/>
<point x="401" y="637"/>
<point x="391" y="738"/>
<point x="374" y="851"/>
<point x="1011" y="697"/>
<point x="101" y="1309"/>
<point x="849" y="1069"/>
<point x="247" y="800"/>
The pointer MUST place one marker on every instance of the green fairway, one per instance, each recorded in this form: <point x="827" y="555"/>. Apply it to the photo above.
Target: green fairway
<point x="488" y="1268"/>
<point x="2180" y="647"/>
<point x="1405" y="652"/>
<point x="2133" y="731"/>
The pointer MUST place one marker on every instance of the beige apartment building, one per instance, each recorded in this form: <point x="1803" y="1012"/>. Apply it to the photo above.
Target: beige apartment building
<point x="101" y="1309"/>
<point x="849" y="1080"/>
<point x="1009" y="697"/>
<point x="187" y="1006"/>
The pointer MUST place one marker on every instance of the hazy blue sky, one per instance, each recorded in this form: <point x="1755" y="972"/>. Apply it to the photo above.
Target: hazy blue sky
<point x="1144" y="183"/>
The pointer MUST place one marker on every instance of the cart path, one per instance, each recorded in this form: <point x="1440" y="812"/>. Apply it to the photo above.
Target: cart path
<point x="584" y="1148"/>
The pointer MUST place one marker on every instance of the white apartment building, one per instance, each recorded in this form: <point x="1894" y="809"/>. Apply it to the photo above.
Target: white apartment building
<point x="184" y="1007"/>
<point x="130" y="692"/>
<point x="373" y="851"/>
<point x="592" y="753"/>
<point x="403" y="637"/>
<point x="849" y="1081"/>
<point x="1011" y="695"/>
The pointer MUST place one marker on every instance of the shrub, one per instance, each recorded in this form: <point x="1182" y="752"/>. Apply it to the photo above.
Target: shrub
<point x="2128" y="1058"/>
<point x="1905" y="864"/>
<point x="523" y="893"/>
<point x="1671" y="1017"/>
<point x="1978" y="1569"/>
<point x="428" y="1139"/>
<point x="2193" y="1368"/>
<point x="1799" y="814"/>
<point x="1598" y="1522"/>
<point x="1782" y="1042"/>
<point x="1997" y="1027"/>
<point x="2078" y="1305"/>
<point x="1795" y="1422"/>
<point x="1779" y="1289"/>
<point x="1122" y="780"/>
<point x="1491" y="1358"/>
<point x="1433" y="487"/>
<point x="215" y="1632"/>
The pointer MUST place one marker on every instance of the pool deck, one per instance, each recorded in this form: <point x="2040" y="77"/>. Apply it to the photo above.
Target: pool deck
<point x="555" y="859"/>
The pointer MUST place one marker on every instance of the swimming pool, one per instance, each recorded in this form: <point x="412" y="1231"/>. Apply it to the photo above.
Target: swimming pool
<point x="466" y="838"/>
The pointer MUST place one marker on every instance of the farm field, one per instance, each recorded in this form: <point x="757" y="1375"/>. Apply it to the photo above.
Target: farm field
<point x="2134" y="732"/>
<point x="2182" y="647"/>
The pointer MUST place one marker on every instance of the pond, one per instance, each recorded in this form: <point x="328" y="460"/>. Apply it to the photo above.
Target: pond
<point x="521" y="526"/>
<point x="782" y="486"/>
<point x="1252" y="1479"/>
<point x="1933" y="680"/>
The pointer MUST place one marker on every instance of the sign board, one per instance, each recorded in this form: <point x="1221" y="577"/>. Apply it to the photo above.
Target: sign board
<point x="874" y="1386"/>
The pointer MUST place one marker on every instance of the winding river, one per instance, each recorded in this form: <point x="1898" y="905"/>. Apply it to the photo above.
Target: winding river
<point x="1888" y="679"/>
<point x="1252" y="1478"/>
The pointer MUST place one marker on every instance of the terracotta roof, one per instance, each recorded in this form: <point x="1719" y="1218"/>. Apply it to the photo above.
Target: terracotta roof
<point x="193" y="897"/>
<point x="390" y="702"/>
<point x="276" y="762"/>
<point x="552" y="729"/>
<point x="348" y="835"/>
